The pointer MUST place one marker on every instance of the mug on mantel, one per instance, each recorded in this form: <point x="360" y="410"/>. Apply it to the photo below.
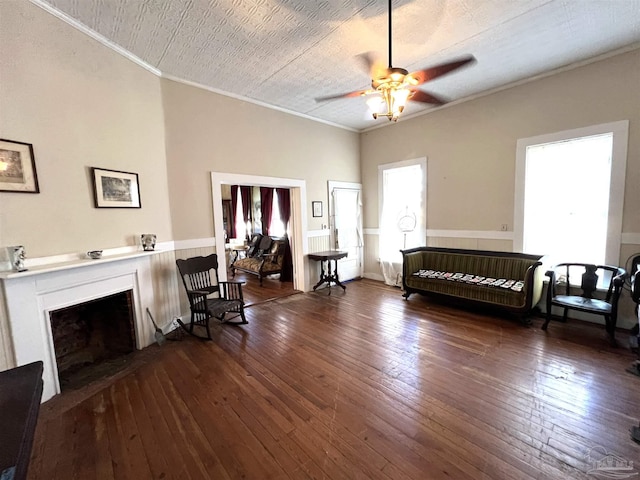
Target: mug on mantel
<point x="148" y="241"/>
<point x="16" y="257"/>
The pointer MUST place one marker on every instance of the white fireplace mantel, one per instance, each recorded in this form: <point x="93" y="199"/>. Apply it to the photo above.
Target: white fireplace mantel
<point x="32" y="294"/>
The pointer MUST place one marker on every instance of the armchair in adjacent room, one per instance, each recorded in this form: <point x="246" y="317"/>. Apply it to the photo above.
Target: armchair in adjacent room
<point x="267" y="258"/>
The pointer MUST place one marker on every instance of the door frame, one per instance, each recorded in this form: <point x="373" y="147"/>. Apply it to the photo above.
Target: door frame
<point x="331" y="184"/>
<point x="298" y="221"/>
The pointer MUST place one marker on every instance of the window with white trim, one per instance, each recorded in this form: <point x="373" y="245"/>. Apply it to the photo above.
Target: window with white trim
<point x="569" y="194"/>
<point x="402" y="193"/>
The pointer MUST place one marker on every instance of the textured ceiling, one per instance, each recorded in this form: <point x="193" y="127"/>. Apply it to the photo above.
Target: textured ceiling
<point x="285" y="53"/>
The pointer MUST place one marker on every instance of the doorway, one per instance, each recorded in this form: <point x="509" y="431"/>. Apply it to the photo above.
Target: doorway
<point x="345" y="223"/>
<point x="298" y="227"/>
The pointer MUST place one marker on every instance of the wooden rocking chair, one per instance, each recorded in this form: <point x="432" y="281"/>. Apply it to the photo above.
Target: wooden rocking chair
<point x="208" y="296"/>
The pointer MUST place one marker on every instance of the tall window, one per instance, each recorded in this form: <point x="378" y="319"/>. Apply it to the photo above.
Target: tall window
<point x="402" y="191"/>
<point x="570" y="194"/>
<point x="276" y="228"/>
<point x="241" y="226"/>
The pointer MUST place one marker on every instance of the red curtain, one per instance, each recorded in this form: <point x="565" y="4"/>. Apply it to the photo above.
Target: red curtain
<point x="245" y="193"/>
<point x="234" y="207"/>
<point x="266" y="199"/>
<point x="284" y="205"/>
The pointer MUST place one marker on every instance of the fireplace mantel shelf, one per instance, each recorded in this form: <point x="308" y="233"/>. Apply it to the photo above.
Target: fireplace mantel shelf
<point x="77" y="263"/>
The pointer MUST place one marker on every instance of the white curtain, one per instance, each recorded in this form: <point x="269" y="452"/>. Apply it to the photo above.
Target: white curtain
<point x="402" y="198"/>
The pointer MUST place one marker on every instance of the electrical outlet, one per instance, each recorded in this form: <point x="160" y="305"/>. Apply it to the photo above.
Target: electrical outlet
<point x="504" y="227"/>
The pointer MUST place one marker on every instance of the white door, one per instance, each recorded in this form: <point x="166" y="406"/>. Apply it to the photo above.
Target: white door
<point x="346" y="227"/>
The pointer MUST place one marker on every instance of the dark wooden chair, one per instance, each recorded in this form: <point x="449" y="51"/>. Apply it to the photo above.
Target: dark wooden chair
<point x="600" y="285"/>
<point x="208" y="296"/>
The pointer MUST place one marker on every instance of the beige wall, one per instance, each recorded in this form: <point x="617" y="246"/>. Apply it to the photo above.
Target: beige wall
<point x="210" y="132"/>
<point x="471" y="148"/>
<point x="80" y="105"/>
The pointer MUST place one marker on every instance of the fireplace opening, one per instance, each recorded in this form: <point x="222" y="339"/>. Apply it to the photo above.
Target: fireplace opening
<point x="93" y="339"/>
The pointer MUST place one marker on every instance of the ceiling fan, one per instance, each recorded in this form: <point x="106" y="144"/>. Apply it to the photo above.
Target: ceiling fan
<point x="396" y="85"/>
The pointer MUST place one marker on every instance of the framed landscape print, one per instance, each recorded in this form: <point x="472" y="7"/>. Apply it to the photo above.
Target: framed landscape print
<point x="17" y="167"/>
<point x="114" y="189"/>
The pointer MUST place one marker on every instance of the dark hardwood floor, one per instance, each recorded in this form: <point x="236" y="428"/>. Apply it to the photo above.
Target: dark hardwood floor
<point x="360" y="385"/>
<point x="271" y="288"/>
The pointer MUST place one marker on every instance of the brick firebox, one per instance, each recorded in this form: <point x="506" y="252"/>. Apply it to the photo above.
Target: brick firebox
<point x="89" y="336"/>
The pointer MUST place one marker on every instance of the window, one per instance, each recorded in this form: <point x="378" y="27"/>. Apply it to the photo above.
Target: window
<point x="569" y="194"/>
<point x="402" y="193"/>
<point x="242" y="227"/>
<point x="276" y="228"/>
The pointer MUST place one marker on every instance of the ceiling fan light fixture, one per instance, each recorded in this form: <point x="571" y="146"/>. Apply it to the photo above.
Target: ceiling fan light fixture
<point x="377" y="106"/>
<point x="375" y="103"/>
<point x="400" y="97"/>
<point x="391" y="102"/>
<point x="394" y="86"/>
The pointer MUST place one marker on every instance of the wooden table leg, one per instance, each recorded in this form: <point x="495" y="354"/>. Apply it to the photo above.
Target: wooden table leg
<point x="336" y="279"/>
<point x="322" y="276"/>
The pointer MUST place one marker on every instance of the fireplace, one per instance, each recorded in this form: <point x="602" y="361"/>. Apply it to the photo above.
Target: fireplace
<point x="92" y="339"/>
<point x="35" y="297"/>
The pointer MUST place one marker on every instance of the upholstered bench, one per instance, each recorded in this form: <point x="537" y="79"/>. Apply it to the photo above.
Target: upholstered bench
<point x="265" y="259"/>
<point x="506" y="280"/>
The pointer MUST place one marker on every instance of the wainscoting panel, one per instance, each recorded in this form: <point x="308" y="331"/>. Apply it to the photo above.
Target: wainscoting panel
<point x="371" y="257"/>
<point x="166" y="288"/>
<point x="319" y="241"/>
<point x="492" y="244"/>
<point x="495" y="245"/>
<point x="445" y="242"/>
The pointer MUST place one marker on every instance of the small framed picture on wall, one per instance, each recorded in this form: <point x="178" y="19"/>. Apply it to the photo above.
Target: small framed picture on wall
<point x="316" y="208"/>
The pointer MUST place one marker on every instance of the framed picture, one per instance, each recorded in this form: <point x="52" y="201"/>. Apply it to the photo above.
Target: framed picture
<point x="17" y="167"/>
<point x="114" y="189"/>
<point x="317" y="209"/>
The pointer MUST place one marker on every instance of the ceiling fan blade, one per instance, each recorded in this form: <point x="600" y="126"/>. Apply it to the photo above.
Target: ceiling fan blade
<point x="375" y="67"/>
<point x="430" y="73"/>
<point x="424" y="97"/>
<point x="357" y="93"/>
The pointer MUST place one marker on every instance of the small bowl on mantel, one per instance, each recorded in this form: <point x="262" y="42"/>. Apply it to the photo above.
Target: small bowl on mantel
<point x="94" y="254"/>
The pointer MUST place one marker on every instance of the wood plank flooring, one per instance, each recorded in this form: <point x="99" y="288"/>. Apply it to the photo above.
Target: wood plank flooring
<point x="271" y="288"/>
<point x="360" y="385"/>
